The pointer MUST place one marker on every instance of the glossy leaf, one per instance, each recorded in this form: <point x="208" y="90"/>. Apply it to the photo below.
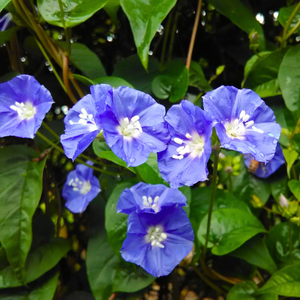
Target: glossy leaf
<point x="138" y="76"/>
<point x="294" y="186"/>
<point x="145" y="17"/>
<point x="290" y="156"/>
<point x="246" y="291"/>
<point x="116" y="223"/>
<point x="74" y="11"/>
<point x="262" y="76"/>
<point x="285" y="282"/>
<point x="3" y="3"/>
<point x="111" y="8"/>
<point x="256" y="253"/>
<point x="7" y="34"/>
<point x="289" y="78"/>
<point x="278" y="244"/>
<point x="241" y="16"/>
<point x="197" y="77"/>
<point x="201" y="199"/>
<point x="284" y="14"/>
<point x="38" y="263"/>
<point x="113" y="81"/>
<point x="172" y="83"/>
<point x="249" y="188"/>
<point x="230" y="228"/>
<point x="20" y="192"/>
<point x="85" y="60"/>
<point x="43" y="292"/>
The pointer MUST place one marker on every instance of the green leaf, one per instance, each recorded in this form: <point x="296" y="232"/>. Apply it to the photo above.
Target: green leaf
<point x="108" y="154"/>
<point x="285" y="282"/>
<point x="38" y="263"/>
<point x="131" y="70"/>
<point x="256" y="253"/>
<point x="279" y="187"/>
<point x="75" y="11"/>
<point x="145" y="18"/>
<point x="248" y="187"/>
<point x="43" y="292"/>
<point x="278" y="244"/>
<point x="85" y="60"/>
<point x="197" y="78"/>
<point x="116" y="223"/>
<point x="262" y="77"/>
<point x="230" y="228"/>
<point x="20" y="191"/>
<point x="284" y="14"/>
<point x="149" y="170"/>
<point x="251" y="62"/>
<point x="6" y="35"/>
<point x="3" y="3"/>
<point x="241" y="16"/>
<point x="246" y="291"/>
<point x="290" y="156"/>
<point x="172" y="83"/>
<point x="201" y="199"/>
<point x="289" y="77"/>
<point x="113" y="81"/>
<point x="111" y="8"/>
<point x="294" y="186"/>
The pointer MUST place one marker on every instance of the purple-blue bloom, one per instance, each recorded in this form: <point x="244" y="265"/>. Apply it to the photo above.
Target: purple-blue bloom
<point x="5" y="21"/>
<point x="83" y="122"/>
<point x="244" y="122"/>
<point x="23" y="106"/>
<point x="134" y="126"/>
<point x="265" y="170"/>
<point x="158" y="242"/>
<point x="149" y="198"/>
<point x="184" y="162"/>
<point x="80" y="188"/>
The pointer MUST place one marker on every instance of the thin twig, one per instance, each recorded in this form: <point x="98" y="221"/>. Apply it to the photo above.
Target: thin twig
<point x="193" y="37"/>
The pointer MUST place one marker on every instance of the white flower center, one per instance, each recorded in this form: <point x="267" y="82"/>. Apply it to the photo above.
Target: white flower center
<point x="236" y="129"/>
<point x="25" y="111"/>
<point x="83" y="187"/>
<point x="150" y="203"/>
<point x="193" y="146"/>
<point x="130" y="129"/>
<point x="155" y="236"/>
<point x="86" y="119"/>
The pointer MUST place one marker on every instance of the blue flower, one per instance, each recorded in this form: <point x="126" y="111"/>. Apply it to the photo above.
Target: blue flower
<point x="184" y="162"/>
<point x="83" y="122"/>
<point x="5" y="21"/>
<point x="23" y="106"/>
<point x="158" y="242"/>
<point x="80" y="188"/>
<point x="244" y="122"/>
<point x="149" y="198"/>
<point x="133" y="126"/>
<point x="264" y="171"/>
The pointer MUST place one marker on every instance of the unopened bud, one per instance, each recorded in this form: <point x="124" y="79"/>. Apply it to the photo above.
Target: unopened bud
<point x="283" y="201"/>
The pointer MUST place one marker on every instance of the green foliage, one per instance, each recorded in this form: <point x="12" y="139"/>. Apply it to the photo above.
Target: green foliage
<point x="74" y="11"/>
<point x="284" y="14"/>
<point x="197" y="78"/>
<point x="294" y="186"/>
<point x="145" y="17"/>
<point x="241" y="16"/>
<point x="230" y="228"/>
<point x="172" y="83"/>
<point x="3" y="3"/>
<point x="20" y="192"/>
<point x="7" y="34"/>
<point x="290" y="156"/>
<point x="288" y="78"/>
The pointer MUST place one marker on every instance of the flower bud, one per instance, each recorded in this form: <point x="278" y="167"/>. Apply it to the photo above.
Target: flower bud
<point x="283" y="201"/>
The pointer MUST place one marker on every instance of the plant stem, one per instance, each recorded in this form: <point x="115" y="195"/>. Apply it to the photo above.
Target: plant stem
<point x="165" y="42"/>
<point x="175" y="285"/>
<point x="211" y="204"/>
<point x="230" y="187"/>
<point x="173" y="32"/>
<point x="66" y="78"/>
<point x="285" y="34"/>
<point x="49" y="142"/>
<point x="193" y="37"/>
<point x="291" y="241"/>
<point x="207" y="281"/>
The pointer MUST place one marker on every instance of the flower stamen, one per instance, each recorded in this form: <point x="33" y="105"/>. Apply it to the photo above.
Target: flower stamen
<point x="130" y="128"/>
<point x="83" y="187"/>
<point x="86" y="119"/>
<point x="150" y="203"/>
<point x="25" y="111"/>
<point x="155" y="236"/>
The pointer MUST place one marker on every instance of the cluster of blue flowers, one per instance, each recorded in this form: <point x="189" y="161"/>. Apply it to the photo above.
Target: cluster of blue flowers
<point x="134" y="125"/>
